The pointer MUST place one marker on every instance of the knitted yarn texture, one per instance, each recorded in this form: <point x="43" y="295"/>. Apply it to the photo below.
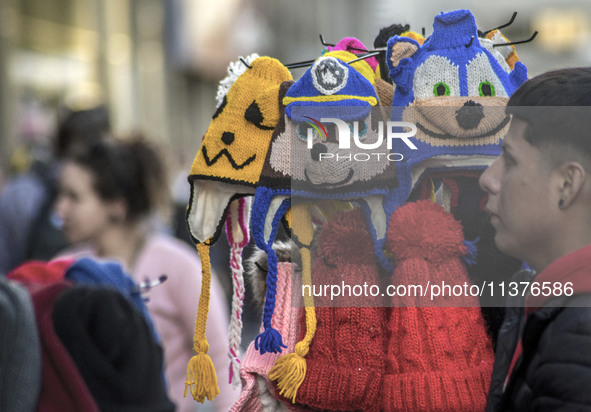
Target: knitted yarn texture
<point x="438" y="358"/>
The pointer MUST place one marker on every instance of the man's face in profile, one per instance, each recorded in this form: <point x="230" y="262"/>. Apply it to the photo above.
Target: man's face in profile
<point x="518" y="184"/>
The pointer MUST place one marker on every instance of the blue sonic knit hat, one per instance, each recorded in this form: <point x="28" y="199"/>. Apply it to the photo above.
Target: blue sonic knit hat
<point x="453" y="89"/>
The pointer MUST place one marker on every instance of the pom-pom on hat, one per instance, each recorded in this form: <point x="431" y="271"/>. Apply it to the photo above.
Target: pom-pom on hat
<point x="346" y="359"/>
<point x="355" y="46"/>
<point x="432" y="348"/>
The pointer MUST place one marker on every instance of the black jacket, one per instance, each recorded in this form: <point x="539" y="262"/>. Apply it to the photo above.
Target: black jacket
<point x="554" y="372"/>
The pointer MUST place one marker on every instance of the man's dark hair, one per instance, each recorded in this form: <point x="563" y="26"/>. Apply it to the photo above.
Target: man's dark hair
<point x="557" y="108"/>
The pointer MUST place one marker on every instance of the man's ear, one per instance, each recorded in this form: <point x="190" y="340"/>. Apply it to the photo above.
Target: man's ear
<point x="573" y="177"/>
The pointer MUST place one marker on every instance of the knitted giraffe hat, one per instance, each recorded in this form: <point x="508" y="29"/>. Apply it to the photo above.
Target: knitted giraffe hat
<point x="285" y="174"/>
<point x="225" y="170"/>
<point x="448" y="88"/>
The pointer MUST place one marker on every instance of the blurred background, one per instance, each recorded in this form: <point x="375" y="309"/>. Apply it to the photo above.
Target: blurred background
<point x="156" y="63"/>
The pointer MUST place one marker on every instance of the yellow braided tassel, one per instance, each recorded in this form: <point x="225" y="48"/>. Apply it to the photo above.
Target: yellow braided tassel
<point x="290" y="370"/>
<point x="201" y="377"/>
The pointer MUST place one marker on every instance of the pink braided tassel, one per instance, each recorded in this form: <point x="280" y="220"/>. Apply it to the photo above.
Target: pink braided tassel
<point x="237" y="233"/>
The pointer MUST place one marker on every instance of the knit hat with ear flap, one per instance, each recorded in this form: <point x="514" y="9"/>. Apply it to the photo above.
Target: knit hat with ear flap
<point x="355" y="97"/>
<point x="345" y="362"/>
<point x="453" y="90"/>
<point x="349" y="98"/>
<point x="372" y="183"/>
<point x="272" y="199"/>
<point x="227" y="167"/>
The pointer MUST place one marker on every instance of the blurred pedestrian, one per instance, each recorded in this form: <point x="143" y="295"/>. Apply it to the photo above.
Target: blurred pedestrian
<point x="28" y="228"/>
<point x="108" y="195"/>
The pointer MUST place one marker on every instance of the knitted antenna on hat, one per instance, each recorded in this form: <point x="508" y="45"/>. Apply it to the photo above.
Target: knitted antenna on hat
<point x="227" y="167"/>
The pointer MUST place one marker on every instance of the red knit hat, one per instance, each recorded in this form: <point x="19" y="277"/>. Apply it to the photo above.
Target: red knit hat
<point x="41" y="272"/>
<point x="345" y="363"/>
<point x="438" y="358"/>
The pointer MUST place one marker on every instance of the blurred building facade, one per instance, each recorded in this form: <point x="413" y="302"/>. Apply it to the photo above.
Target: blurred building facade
<point x="156" y="63"/>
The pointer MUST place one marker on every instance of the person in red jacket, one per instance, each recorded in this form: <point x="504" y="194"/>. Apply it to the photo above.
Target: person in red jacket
<point x="539" y="199"/>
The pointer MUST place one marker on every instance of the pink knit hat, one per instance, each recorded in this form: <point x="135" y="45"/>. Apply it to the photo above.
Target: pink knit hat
<point x="257" y="389"/>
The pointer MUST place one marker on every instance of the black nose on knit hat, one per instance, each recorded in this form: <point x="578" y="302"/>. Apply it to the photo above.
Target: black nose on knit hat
<point x="113" y="348"/>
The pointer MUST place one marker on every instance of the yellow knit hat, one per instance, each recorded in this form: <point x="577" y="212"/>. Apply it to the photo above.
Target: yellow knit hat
<point x="236" y="143"/>
<point x="227" y="167"/>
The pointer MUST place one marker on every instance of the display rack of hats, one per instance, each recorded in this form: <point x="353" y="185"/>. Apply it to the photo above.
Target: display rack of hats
<point x="259" y="166"/>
